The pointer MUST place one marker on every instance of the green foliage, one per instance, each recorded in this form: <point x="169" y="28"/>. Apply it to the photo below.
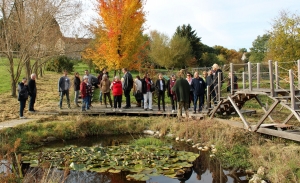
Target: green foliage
<point x="259" y="48"/>
<point x="284" y="42"/>
<point x="237" y="156"/>
<point x="59" y="64"/>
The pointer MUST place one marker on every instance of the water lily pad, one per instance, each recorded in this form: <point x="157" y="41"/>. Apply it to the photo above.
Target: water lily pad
<point x="138" y="177"/>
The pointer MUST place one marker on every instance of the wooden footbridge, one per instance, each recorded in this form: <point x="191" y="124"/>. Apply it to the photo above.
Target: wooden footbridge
<point x="279" y="87"/>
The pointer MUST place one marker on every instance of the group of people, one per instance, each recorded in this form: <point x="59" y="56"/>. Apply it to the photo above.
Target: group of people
<point x="183" y="90"/>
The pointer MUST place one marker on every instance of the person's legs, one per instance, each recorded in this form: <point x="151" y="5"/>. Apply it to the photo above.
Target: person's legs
<point x="119" y="101"/>
<point x="100" y="97"/>
<point x="150" y="100"/>
<point x="68" y="98"/>
<point x="105" y="96"/>
<point x="179" y="110"/>
<point x="186" y="109"/>
<point x="201" y="97"/>
<point x="159" y="97"/>
<point x="61" y="99"/>
<point x="146" y="100"/>
<point x="76" y="94"/>
<point x="195" y="102"/>
<point x="109" y="99"/>
<point x="22" y="107"/>
<point x="127" y="96"/>
<point x="172" y="102"/>
<point x="31" y="102"/>
<point x="163" y="101"/>
<point x="115" y="102"/>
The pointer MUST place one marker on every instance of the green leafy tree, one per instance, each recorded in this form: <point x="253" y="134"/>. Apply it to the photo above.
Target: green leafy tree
<point x="284" y="44"/>
<point x="174" y="53"/>
<point x="195" y="41"/>
<point x="259" y="48"/>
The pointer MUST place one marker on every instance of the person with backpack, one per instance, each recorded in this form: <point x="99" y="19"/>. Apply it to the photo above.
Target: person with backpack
<point x="22" y="96"/>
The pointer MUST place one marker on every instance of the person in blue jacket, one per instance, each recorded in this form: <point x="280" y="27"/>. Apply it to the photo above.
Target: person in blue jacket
<point x="198" y="86"/>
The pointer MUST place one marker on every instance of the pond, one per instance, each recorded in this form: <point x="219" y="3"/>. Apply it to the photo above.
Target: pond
<point x="205" y="168"/>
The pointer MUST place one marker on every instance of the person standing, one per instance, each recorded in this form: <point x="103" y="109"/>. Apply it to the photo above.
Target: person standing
<point x="215" y="71"/>
<point x="160" y="85"/>
<point x="100" y="75"/>
<point x="127" y="86"/>
<point x="147" y="91"/>
<point x="189" y="78"/>
<point x="85" y="93"/>
<point x="32" y="92"/>
<point x="93" y="81"/>
<point x="22" y="96"/>
<point x="209" y="83"/>
<point x="105" y="89"/>
<point x="198" y="86"/>
<point x="182" y="91"/>
<point x="63" y="88"/>
<point x="116" y="88"/>
<point x="76" y="88"/>
<point x="171" y="82"/>
<point x="137" y="89"/>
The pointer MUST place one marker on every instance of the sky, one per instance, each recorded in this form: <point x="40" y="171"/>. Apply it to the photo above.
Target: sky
<point x="233" y="24"/>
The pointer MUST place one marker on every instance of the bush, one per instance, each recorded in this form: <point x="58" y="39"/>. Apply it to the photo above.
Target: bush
<point x="59" y="64"/>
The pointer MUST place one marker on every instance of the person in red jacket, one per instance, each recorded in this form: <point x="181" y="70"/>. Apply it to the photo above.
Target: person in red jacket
<point x="117" y="91"/>
<point x="84" y="90"/>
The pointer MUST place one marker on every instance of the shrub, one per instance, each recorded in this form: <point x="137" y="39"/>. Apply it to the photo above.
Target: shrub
<point x="59" y="64"/>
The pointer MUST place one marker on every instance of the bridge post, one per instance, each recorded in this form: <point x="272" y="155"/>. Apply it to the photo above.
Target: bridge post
<point x="219" y="86"/>
<point x="298" y="64"/>
<point x="258" y="75"/>
<point x="231" y="79"/>
<point x="271" y="78"/>
<point x="250" y="76"/>
<point x="292" y="88"/>
<point x="244" y="84"/>
<point x="276" y="75"/>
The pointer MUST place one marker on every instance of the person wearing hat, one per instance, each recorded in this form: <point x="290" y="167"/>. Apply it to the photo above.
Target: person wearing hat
<point x="182" y="91"/>
<point x="22" y="96"/>
<point x="63" y="88"/>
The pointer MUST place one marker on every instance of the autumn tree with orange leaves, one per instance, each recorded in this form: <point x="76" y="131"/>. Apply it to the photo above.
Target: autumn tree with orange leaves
<point x="118" y="36"/>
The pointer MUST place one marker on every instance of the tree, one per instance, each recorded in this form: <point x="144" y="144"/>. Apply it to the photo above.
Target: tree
<point x="259" y="48"/>
<point x="118" y="34"/>
<point x="195" y="41"/>
<point x="174" y="53"/>
<point x="27" y="32"/>
<point x="284" y="44"/>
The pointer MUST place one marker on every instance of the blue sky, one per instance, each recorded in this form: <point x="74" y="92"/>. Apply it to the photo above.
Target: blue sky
<point x="233" y="24"/>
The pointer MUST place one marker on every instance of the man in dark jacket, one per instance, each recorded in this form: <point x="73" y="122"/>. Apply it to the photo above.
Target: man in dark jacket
<point x="182" y="91"/>
<point x="32" y="92"/>
<point x="215" y="72"/>
<point x="160" y="85"/>
<point x="127" y="86"/>
<point x="198" y="85"/>
<point x="23" y="96"/>
<point x="63" y="88"/>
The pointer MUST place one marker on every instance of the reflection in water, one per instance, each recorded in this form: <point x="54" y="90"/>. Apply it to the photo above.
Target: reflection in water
<point x="205" y="169"/>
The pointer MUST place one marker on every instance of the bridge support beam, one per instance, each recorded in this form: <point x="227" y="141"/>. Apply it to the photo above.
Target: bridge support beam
<point x="247" y="126"/>
<point x="266" y="114"/>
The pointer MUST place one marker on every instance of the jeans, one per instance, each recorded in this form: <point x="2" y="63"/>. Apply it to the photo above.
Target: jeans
<point x="148" y="98"/>
<point x="62" y="93"/>
<point x="22" y="107"/>
<point x="127" y="96"/>
<point x="85" y="103"/>
<point x="196" y="97"/>
<point x="117" y="101"/>
<point x="76" y="97"/>
<point x="31" y="102"/>
<point x="161" y="96"/>
<point x="100" y="96"/>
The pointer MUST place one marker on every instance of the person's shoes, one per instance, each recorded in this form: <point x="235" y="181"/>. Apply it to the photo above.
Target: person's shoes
<point x="126" y="107"/>
<point x="22" y="117"/>
<point x="69" y="107"/>
<point x="120" y="110"/>
<point x="173" y="111"/>
<point x="194" y="112"/>
<point x="100" y="103"/>
<point x="60" y="107"/>
<point x="31" y="111"/>
<point x="77" y="105"/>
<point x="82" y="110"/>
<point x="150" y="109"/>
<point x="146" y="109"/>
<point x="114" y="109"/>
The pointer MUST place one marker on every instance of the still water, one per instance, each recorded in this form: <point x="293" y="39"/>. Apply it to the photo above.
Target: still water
<point x="205" y="169"/>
